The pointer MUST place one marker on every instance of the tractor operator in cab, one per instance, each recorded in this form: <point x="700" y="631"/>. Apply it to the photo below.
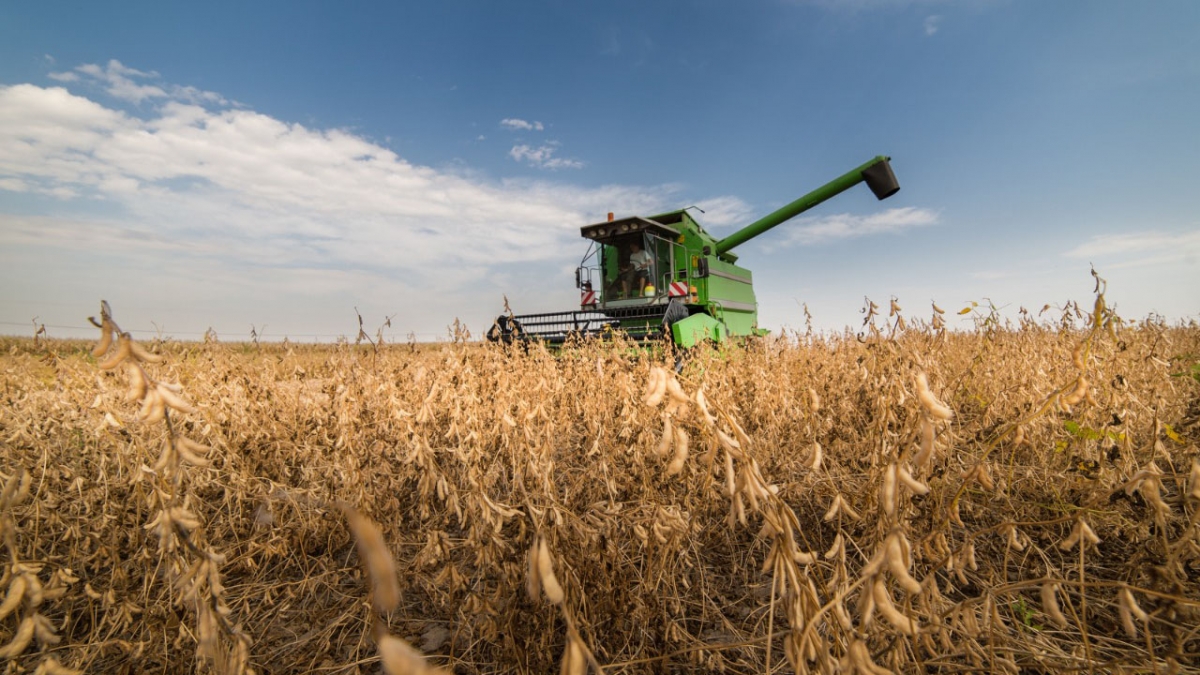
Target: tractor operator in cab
<point x="640" y="263"/>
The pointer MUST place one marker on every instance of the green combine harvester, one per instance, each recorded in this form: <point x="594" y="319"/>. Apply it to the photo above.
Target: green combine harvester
<point x="665" y="277"/>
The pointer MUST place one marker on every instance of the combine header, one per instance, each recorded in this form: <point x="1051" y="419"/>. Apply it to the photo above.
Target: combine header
<point x="664" y="276"/>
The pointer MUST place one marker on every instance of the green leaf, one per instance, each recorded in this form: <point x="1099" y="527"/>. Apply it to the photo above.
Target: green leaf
<point x="1192" y="372"/>
<point x="1081" y="432"/>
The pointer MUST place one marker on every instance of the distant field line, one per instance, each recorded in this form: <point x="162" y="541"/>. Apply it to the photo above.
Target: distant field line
<point x="151" y="331"/>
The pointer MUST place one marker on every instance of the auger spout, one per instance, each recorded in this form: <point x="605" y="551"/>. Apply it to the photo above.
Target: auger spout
<point x="877" y="174"/>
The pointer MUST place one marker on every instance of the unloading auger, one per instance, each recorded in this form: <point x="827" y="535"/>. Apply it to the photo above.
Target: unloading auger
<point x="664" y="276"/>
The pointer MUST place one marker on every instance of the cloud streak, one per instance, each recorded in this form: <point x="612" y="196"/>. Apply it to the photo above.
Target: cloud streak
<point x="521" y="125"/>
<point x="543" y="157"/>
<point x="135" y="86"/>
<point x="813" y="231"/>
<point x="1139" y="249"/>
<point x="724" y="212"/>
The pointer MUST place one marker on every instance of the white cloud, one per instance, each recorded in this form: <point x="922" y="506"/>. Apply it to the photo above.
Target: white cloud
<point x="120" y="82"/>
<point x="932" y="23"/>
<point x="521" y="125"/>
<point x="724" y="212"/>
<point x="123" y="82"/>
<point x="201" y="191"/>
<point x="543" y="157"/>
<point x="1137" y="249"/>
<point x="872" y="5"/>
<point x="47" y="135"/>
<point x="809" y="231"/>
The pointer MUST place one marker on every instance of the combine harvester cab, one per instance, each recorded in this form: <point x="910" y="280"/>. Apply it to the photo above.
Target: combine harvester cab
<point x="664" y="277"/>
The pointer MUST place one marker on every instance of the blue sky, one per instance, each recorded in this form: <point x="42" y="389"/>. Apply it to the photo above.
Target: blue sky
<point x="279" y="164"/>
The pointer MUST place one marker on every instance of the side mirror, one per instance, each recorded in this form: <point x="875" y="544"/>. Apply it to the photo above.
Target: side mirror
<point x="578" y="278"/>
<point x="702" y="268"/>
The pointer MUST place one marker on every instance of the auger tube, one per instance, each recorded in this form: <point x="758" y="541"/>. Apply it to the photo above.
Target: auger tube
<point x="877" y="173"/>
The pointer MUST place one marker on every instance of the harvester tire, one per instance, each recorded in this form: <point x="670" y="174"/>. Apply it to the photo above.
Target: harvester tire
<point x="676" y="312"/>
<point x="505" y="329"/>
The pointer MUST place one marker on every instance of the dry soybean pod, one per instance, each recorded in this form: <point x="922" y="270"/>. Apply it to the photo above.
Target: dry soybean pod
<point x="927" y="435"/>
<point x="664" y="444"/>
<point x="883" y="602"/>
<point x="554" y="592"/>
<point x="894" y="556"/>
<point x="140" y="353"/>
<point x="137" y="382"/>
<point x="933" y="406"/>
<point x="681" y="452"/>
<point x="675" y="390"/>
<point x="106" y="333"/>
<point x="1050" y="604"/>
<point x="16" y="592"/>
<point x="888" y="492"/>
<point x="656" y="387"/>
<point x="20" y="641"/>
<point x="373" y="550"/>
<point x="124" y="349"/>
<point x="573" y="661"/>
<point x="913" y="484"/>
<point x="400" y="658"/>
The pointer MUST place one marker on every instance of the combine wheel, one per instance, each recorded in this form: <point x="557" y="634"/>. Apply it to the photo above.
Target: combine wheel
<point x="505" y="329"/>
<point x="676" y="312"/>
